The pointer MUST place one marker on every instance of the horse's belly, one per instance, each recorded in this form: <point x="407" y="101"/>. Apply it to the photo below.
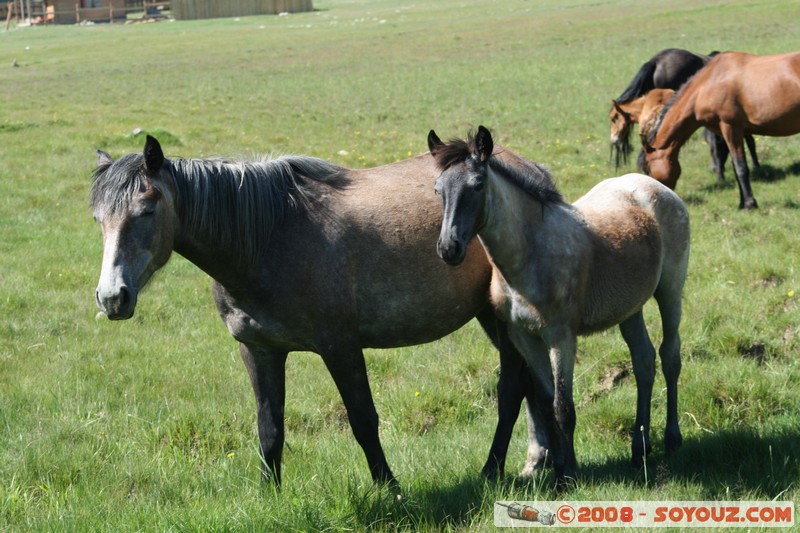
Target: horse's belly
<point x="419" y="299"/>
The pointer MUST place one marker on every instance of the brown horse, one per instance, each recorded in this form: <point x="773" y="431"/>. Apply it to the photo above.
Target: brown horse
<point x="670" y="69"/>
<point x="643" y="110"/>
<point x="305" y="256"/>
<point x="563" y="270"/>
<point x="734" y="95"/>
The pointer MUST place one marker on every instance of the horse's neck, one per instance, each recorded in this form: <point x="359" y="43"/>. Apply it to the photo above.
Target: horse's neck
<point x="633" y="108"/>
<point x="198" y="237"/>
<point x="677" y="125"/>
<point x="515" y="226"/>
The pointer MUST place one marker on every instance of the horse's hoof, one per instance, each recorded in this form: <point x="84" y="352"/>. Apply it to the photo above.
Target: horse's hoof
<point x="529" y="471"/>
<point x="672" y="441"/>
<point x="492" y="472"/>
<point x="748" y="205"/>
<point x="640" y="448"/>
<point x="566" y="483"/>
<point x="393" y="487"/>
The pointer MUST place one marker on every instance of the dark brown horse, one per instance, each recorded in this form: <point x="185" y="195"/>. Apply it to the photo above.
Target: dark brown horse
<point x="734" y="95"/>
<point x="305" y="256"/>
<point x="668" y="69"/>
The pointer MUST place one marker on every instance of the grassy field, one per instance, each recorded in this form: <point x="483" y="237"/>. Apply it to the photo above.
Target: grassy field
<point x="150" y="424"/>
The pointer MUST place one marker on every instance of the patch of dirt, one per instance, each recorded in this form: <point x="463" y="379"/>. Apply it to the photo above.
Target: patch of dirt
<point x="755" y="350"/>
<point x="612" y="377"/>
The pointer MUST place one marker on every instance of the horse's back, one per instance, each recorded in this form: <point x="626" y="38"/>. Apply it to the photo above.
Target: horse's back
<point x="405" y="294"/>
<point x="667" y="209"/>
<point x="760" y="91"/>
<point x="675" y="66"/>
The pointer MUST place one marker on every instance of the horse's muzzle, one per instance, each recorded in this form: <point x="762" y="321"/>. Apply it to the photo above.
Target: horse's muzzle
<point x="117" y="305"/>
<point x="451" y="251"/>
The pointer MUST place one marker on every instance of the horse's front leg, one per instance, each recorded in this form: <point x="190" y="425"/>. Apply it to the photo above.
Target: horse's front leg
<point x="563" y="346"/>
<point x="349" y="372"/>
<point x="735" y="140"/>
<point x="267" y="370"/>
<point x="643" y="356"/>
<point x="538" y="441"/>
<point x="543" y="431"/>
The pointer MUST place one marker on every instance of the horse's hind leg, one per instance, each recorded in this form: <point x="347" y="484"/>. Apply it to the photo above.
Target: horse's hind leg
<point x="515" y="383"/>
<point x="734" y="138"/>
<point x="643" y="356"/>
<point x="511" y="388"/>
<point x="267" y="370"/>
<point x="349" y="372"/>
<point x="719" y="153"/>
<point x="669" y="305"/>
<point x="751" y="145"/>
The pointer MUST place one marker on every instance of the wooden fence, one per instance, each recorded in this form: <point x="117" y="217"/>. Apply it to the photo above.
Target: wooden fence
<point x="206" y="9"/>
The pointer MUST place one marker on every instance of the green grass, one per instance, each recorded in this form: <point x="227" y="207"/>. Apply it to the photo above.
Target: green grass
<point x="150" y="424"/>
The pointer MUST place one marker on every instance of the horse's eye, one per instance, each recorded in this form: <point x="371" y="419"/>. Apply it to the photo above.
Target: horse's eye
<point x="478" y="186"/>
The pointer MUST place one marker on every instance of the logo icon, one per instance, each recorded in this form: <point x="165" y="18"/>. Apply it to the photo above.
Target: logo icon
<point x="519" y="511"/>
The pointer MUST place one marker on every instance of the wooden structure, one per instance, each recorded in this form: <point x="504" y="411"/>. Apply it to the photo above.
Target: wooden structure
<point x="76" y="11"/>
<point x="205" y="9"/>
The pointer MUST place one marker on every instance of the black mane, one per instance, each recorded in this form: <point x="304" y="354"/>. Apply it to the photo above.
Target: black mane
<point x="238" y="202"/>
<point x="534" y="179"/>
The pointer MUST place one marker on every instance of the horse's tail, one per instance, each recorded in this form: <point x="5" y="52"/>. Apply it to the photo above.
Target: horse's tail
<point x="641" y="84"/>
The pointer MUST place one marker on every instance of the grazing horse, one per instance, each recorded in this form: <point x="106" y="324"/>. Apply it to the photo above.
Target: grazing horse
<point x="734" y="95"/>
<point x="563" y="270"/>
<point x="643" y="110"/>
<point x="668" y="69"/>
<point x="305" y="256"/>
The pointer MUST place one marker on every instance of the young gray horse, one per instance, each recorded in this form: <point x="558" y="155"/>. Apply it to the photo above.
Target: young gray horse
<point x="305" y="256"/>
<point x="565" y="270"/>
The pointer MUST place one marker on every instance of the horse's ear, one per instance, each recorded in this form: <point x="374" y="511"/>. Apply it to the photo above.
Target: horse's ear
<point x="153" y="156"/>
<point x="434" y="141"/>
<point x="618" y="109"/>
<point x="484" y="144"/>
<point x="103" y="158"/>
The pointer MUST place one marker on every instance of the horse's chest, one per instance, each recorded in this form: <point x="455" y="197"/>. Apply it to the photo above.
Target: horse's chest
<point x="250" y="325"/>
<point x="514" y="308"/>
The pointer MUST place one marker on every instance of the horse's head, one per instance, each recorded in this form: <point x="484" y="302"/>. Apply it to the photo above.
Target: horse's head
<point x="133" y="201"/>
<point x="621" y="123"/>
<point x="660" y="160"/>
<point x="620" y="134"/>
<point x="662" y="164"/>
<point x="461" y="186"/>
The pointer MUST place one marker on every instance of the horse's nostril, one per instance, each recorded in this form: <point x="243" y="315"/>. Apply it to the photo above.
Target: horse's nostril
<point x="124" y="297"/>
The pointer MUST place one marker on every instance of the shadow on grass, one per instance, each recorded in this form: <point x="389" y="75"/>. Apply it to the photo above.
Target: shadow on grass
<point x="727" y="465"/>
<point x="766" y="173"/>
<point x="421" y="507"/>
<point x="462" y="503"/>
<point x="770" y="174"/>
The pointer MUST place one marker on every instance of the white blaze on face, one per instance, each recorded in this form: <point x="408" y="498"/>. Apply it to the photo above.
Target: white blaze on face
<point x="115" y="295"/>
